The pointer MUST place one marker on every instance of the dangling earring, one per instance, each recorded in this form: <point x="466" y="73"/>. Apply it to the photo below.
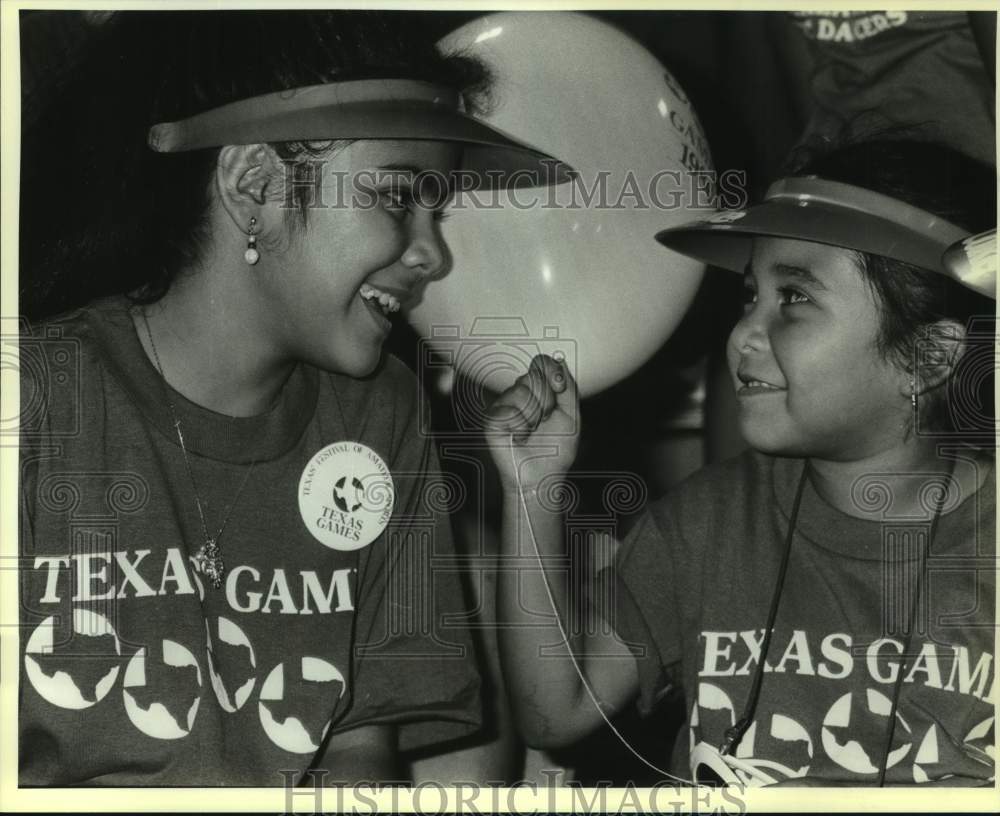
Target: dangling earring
<point x="913" y="402"/>
<point x="251" y="256"/>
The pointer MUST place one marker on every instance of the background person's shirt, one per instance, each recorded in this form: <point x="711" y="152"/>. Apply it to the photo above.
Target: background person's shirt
<point x="877" y="69"/>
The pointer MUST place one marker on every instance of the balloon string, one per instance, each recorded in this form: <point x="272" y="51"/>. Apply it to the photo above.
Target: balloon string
<point x="565" y="636"/>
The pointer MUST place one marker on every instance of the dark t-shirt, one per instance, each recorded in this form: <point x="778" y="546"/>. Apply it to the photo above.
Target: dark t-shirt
<point x="920" y="69"/>
<point x="337" y="609"/>
<point x="694" y="584"/>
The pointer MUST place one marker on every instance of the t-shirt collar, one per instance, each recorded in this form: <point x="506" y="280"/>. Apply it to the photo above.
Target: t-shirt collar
<point x="239" y="440"/>
<point x="825" y="525"/>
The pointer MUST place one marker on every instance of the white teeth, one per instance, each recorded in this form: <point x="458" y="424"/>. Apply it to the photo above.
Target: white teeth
<point x="759" y="384"/>
<point x="388" y="302"/>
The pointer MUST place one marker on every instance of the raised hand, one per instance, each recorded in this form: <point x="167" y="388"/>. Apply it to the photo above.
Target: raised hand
<point x="533" y="427"/>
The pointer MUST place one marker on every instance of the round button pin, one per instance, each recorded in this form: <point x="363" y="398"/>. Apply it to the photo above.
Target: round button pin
<point x="346" y="496"/>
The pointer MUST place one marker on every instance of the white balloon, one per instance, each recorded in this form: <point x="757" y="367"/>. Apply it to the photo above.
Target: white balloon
<point x="544" y="269"/>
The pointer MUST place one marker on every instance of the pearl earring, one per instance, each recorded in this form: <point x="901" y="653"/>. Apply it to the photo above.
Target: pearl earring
<point x="251" y="256"/>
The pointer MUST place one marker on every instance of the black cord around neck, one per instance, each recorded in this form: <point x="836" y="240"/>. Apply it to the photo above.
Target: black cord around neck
<point x="735" y="733"/>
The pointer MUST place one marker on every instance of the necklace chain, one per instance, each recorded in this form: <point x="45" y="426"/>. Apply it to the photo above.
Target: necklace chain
<point x="209" y="556"/>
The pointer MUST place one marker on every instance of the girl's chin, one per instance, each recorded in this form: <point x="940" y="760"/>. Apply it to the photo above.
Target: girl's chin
<point x="364" y="365"/>
<point x="771" y="446"/>
<point x="363" y="360"/>
<point x="766" y="440"/>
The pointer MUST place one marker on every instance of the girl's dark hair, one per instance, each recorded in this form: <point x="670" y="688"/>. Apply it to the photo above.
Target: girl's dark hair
<point x="963" y="191"/>
<point x="101" y="213"/>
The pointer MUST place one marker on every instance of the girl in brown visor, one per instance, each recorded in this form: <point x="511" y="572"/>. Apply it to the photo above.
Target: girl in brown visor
<point x="823" y="604"/>
<point x="255" y="197"/>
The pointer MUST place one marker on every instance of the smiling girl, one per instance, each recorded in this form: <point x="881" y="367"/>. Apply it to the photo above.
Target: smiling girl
<point x="228" y="522"/>
<point x="824" y="602"/>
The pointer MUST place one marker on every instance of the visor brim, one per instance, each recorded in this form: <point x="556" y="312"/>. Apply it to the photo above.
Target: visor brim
<point x="728" y="243"/>
<point x="492" y="159"/>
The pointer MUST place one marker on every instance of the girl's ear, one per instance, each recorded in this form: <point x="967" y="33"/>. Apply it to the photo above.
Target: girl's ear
<point x="245" y="178"/>
<point x="938" y="350"/>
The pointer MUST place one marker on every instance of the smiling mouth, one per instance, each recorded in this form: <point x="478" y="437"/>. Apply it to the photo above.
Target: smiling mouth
<point x="750" y="387"/>
<point x="381" y="305"/>
<point x="386" y="302"/>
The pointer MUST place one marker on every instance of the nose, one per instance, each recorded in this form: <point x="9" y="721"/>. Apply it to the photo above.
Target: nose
<point x="750" y="332"/>
<point x="425" y="251"/>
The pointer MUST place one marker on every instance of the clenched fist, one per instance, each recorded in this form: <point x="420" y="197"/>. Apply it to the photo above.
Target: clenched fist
<point x="533" y="427"/>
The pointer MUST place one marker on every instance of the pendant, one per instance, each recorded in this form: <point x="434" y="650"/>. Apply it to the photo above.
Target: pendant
<point x="209" y="560"/>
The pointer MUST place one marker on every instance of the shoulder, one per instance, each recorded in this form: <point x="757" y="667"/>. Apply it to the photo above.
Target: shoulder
<point x="71" y="338"/>
<point x="58" y="358"/>
<point x="721" y="489"/>
<point x="749" y="466"/>
<point x="83" y="320"/>
<point x="716" y="499"/>
<point x="55" y="332"/>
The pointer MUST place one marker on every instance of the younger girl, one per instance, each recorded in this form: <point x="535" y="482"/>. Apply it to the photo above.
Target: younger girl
<point x="825" y="602"/>
<point x="231" y="570"/>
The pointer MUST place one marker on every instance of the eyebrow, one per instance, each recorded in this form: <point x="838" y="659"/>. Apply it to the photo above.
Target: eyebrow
<point x="414" y="171"/>
<point x="799" y="273"/>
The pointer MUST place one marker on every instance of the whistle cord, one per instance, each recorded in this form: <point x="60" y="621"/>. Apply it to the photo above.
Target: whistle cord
<point x="735" y="733"/>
